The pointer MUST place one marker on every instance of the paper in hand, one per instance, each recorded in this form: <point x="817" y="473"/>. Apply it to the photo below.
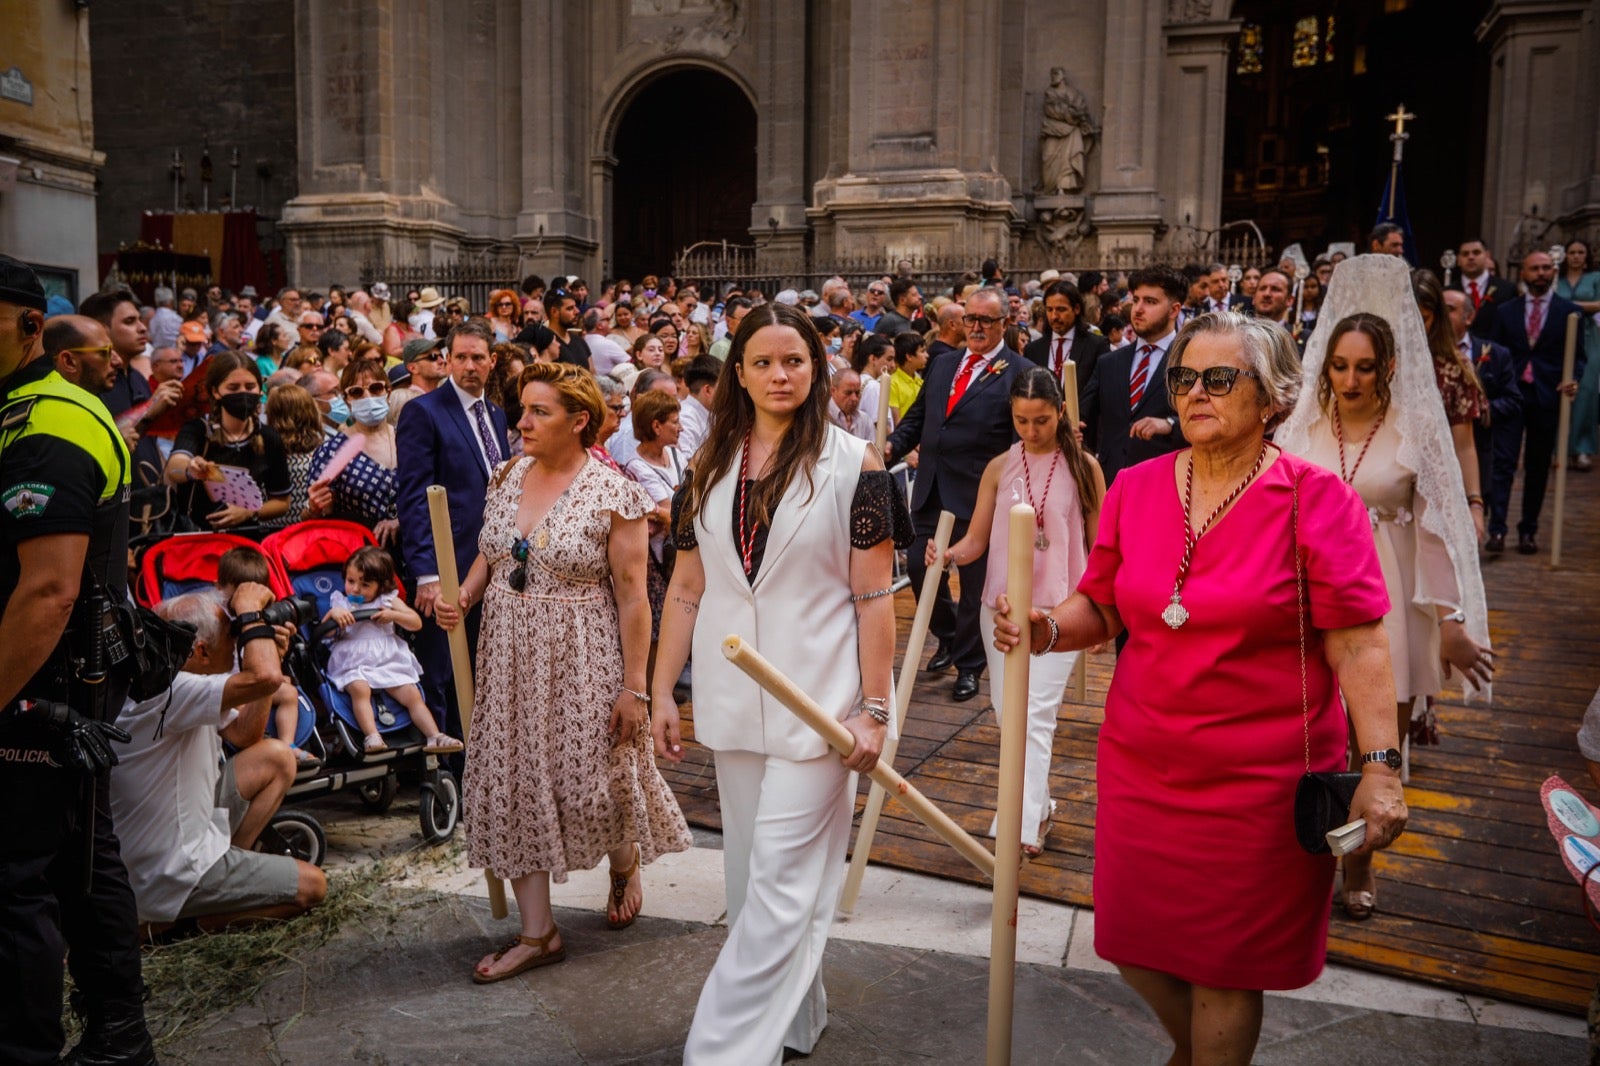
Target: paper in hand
<point x="236" y="488"/>
<point x="341" y="459"/>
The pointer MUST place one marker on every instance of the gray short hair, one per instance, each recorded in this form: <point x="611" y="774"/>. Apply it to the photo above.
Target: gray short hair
<point x="1267" y="348"/>
<point x="203" y="609"/>
<point x="609" y="386"/>
<point x="222" y="318"/>
<point x="162" y="297"/>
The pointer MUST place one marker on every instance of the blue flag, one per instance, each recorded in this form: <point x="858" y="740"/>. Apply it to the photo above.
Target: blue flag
<point x="1392" y="208"/>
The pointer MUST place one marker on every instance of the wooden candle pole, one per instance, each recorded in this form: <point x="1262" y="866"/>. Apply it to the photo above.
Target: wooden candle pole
<point x="1069" y="388"/>
<point x="1563" y="432"/>
<point x="840" y="740"/>
<point x="881" y="434"/>
<point x="1008" y="821"/>
<point x="444" y="549"/>
<point x="902" y="700"/>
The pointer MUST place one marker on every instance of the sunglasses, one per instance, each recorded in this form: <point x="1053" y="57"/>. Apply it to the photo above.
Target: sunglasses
<point x="356" y="392"/>
<point x="102" y="350"/>
<point x="1218" y="380"/>
<point x="518" y="578"/>
<point x="505" y="303"/>
<point x="311" y="325"/>
<point x="981" y="320"/>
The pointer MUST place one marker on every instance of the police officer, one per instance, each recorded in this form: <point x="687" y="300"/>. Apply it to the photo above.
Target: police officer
<point x="64" y="672"/>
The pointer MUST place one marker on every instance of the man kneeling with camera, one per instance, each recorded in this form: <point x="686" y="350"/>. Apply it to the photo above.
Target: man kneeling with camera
<point x="188" y="819"/>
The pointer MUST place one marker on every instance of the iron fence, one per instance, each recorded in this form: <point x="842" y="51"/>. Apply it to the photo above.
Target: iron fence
<point x="473" y="280"/>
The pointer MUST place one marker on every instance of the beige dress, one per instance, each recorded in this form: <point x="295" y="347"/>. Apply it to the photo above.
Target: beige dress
<point x="546" y="788"/>
<point x="1416" y="564"/>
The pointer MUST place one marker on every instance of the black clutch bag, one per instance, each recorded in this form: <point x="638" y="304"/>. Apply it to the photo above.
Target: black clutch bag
<point x="1321" y="800"/>
<point x="1321" y="804"/>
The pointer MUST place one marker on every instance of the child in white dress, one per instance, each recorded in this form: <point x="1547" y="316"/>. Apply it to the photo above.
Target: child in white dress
<point x="368" y="654"/>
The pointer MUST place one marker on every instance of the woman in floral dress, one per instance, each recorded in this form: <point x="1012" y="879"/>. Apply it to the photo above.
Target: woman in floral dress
<point x="560" y="771"/>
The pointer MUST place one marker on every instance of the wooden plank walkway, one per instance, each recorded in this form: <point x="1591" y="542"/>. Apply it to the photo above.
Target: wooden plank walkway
<point x="1473" y="897"/>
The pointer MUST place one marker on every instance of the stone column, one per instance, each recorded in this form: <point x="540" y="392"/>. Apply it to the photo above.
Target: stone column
<point x="557" y="230"/>
<point x="1534" y="157"/>
<point x="778" y="217"/>
<point x="1194" y="86"/>
<point x="921" y="174"/>
<point x="365" y="133"/>
<point x="1127" y="204"/>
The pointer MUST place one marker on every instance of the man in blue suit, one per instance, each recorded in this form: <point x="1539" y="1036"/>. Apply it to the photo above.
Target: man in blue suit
<point x="961" y="419"/>
<point x="453" y="437"/>
<point x="1533" y="327"/>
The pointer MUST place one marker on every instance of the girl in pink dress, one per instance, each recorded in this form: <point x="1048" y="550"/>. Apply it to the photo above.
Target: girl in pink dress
<point x="1202" y="896"/>
<point x="1048" y="470"/>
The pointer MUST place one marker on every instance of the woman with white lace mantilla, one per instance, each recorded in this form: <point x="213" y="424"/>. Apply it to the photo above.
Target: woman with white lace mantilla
<point x="1370" y="409"/>
<point x="785" y="533"/>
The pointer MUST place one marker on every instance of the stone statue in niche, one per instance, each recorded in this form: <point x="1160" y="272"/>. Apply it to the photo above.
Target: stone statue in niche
<point x="1066" y="134"/>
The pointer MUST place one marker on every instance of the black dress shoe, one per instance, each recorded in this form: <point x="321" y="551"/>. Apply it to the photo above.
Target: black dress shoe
<point x="966" y="686"/>
<point x="1495" y="544"/>
<point x="942" y="660"/>
<point x="1526" y="544"/>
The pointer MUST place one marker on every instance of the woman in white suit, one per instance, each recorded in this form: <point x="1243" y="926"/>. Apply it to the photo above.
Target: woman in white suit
<point x="785" y="532"/>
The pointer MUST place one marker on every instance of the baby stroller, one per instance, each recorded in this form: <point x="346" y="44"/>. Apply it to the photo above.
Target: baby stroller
<point x="312" y="555"/>
<point x="186" y="562"/>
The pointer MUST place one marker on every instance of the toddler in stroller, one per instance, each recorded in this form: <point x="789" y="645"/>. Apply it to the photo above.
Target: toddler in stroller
<point x="367" y="653"/>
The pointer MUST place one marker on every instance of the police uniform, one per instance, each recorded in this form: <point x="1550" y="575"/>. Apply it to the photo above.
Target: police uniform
<point x="64" y="470"/>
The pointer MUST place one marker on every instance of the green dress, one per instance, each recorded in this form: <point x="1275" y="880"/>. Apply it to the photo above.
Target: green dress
<point x="1586" y="409"/>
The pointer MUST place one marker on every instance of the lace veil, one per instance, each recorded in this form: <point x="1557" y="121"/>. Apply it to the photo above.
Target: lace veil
<point x="1381" y="285"/>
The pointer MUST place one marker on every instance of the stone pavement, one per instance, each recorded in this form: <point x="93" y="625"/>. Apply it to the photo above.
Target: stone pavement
<point x="906" y="976"/>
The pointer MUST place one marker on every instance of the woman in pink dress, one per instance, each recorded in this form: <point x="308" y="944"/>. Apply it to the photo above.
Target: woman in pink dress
<point x="1202" y="896"/>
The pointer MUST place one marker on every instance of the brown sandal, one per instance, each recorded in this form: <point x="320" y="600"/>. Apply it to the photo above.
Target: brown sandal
<point x="546" y="957"/>
<point x="619" y="891"/>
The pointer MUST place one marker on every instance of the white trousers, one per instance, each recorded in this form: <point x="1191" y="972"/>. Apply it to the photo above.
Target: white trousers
<point x="1047" y="686"/>
<point x="785" y="828"/>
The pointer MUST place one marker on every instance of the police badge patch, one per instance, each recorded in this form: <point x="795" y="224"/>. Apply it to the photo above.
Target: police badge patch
<point x="28" y="499"/>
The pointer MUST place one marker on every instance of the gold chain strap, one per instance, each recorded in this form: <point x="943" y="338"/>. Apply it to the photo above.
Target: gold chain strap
<point x="1300" y="611"/>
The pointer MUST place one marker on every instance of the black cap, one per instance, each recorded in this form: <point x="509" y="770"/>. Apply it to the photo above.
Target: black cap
<point x="20" y="285"/>
<point x="399" y="376"/>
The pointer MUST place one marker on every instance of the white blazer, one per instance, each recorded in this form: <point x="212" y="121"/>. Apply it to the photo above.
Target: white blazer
<point x="798" y="614"/>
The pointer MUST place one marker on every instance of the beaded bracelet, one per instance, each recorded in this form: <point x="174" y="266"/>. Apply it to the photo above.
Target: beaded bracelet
<point x="1055" y="635"/>
<point x="877" y="708"/>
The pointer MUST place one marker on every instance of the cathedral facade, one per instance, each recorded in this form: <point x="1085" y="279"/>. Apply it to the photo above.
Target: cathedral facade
<point x="607" y="136"/>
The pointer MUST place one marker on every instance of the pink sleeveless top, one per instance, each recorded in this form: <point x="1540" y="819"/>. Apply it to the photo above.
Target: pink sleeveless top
<point x="1058" y="568"/>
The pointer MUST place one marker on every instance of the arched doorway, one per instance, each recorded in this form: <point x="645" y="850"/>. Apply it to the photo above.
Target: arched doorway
<point x="1307" y="150"/>
<point x="685" y="172"/>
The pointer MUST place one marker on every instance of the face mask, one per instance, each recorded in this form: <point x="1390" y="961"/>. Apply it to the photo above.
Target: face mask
<point x="338" y="411"/>
<point x="649" y="292"/>
<point x="371" y="410"/>
<point x="835" y="345"/>
<point x="241" y="405"/>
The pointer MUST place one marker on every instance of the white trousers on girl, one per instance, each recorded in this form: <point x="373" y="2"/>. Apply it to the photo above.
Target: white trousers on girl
<point x="1047" y="685"/>
<point x="785" y="828"/>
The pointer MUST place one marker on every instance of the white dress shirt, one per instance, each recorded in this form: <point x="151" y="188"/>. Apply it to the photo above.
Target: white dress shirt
<point x="467" y="402"/>
<point x="694" y="423"/>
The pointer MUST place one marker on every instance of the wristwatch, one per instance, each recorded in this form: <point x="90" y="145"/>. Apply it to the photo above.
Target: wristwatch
<point x="1457" y="615"/>
<point x="1390" y="756"/>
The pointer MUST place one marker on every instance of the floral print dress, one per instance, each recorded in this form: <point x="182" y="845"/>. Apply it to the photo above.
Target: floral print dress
<point x="546" y="788"/>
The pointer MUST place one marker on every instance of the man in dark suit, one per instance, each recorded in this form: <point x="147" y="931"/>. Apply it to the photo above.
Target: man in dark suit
<point x="1126" y="398"/>
<point x="961" y="419"/>
<point x="1533" y="328"/>
<point x="1492" y="363"/>
<point x="1219" y="291"/>
<point x="1486" y="291"/>
<point x="453" y="437"/>
<point x="1067" y="339"/>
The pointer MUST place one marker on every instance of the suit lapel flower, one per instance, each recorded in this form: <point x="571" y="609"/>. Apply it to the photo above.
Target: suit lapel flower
<point x="996" y="367"/>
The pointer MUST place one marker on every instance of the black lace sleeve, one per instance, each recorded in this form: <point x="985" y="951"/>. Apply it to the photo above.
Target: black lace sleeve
<point x="683" y="535"/>
<point x="878" y="512"/>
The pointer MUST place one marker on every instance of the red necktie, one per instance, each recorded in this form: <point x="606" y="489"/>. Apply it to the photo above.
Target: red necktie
<point x="1055" y="365"/>
<point x="964" y="377"/>
<point x="1535" y="320"/>
<point x="1141" y="376"/>
<point x="1477" y="297"/>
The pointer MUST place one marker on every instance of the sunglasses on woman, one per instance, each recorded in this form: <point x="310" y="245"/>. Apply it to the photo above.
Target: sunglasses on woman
<point x="518" y="578"/>
<point x="356" y="392"/>
<point x="1218" y="380"/>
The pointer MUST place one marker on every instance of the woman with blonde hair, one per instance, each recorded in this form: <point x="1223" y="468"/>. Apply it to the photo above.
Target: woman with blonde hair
<point x="560" y="773"/>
